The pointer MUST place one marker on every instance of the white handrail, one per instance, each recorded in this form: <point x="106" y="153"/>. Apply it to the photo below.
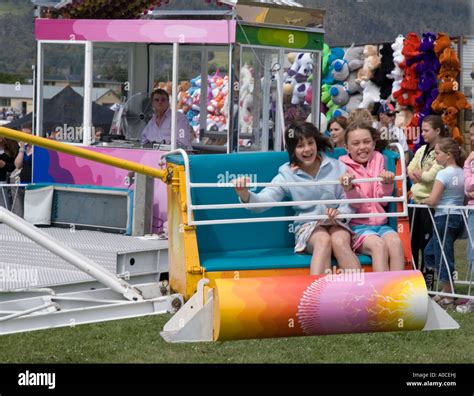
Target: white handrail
<point x="423" y="206"/>
<point x="190" y="207"/>
<point x="291" y="184"/>
<point x="297" y="203"/>
<point x="298" y="218"/>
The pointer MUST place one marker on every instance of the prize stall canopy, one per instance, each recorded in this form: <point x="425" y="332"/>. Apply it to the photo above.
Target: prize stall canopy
<point x="259" y="61"/>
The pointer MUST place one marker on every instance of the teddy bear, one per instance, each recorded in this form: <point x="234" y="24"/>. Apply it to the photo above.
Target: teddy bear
<point x="371" y="62"/>
<point x="410" y="80"/>
<point x="449" y="96"/>
<point x="427" y="59"/>
<point x="450" y="118"/>
<point x="380" y="77"/>
<point x="449" y="61"/>
<point x="428" y="86"/>
<point x="408" y="93"/>
<point x="184" y="98"/>
<point x="411" y="46"/>
<point x="442" y="42"/>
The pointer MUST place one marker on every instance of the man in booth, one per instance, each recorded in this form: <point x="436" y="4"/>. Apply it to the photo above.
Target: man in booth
<point x="158" y="129"/>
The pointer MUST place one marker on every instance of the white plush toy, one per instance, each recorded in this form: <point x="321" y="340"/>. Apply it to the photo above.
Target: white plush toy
<point x="371" y="62"/>
<point x="370" y="95"/>
<point x="397" y="74"/>
<point x="302" y="67"/>
<point x="299" y="92"/>
<point x="246" y="99"/>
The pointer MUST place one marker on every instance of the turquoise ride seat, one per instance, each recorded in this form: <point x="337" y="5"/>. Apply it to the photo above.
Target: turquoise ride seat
<point x="247" y="246"/>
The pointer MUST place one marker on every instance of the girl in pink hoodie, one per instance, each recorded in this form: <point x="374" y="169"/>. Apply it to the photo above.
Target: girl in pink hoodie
<point x="373" y="236"/>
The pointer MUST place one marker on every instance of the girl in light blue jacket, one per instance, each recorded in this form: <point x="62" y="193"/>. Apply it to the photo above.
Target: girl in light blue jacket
<point x="321" y="238"/>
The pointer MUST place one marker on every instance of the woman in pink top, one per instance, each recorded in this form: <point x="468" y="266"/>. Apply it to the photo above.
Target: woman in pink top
<point x="372" y="234"/>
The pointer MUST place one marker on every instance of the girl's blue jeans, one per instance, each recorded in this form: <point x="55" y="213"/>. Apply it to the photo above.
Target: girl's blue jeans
<point x="432" y="254"/>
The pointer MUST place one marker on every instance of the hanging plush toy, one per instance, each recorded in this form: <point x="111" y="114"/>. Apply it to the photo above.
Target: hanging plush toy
<point x="370" y="95"/>
<point x="371" y="62"/>
<point x="381" y="74"/>
<point x="397" y="74"/>
<point x="449" y="100"/>
<point x="246" y="99"/>
<point x="450" y="118"/>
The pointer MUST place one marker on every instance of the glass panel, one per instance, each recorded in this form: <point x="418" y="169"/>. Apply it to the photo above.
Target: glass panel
<point x="163" y="66"/>
<point x="297" y="86"/>
<point x="213" y="134"/>
<point x="257" y="99"/>
<point x="111" y="86"/>
<point x="193" y="61"/>
<point x="63" y="91"/>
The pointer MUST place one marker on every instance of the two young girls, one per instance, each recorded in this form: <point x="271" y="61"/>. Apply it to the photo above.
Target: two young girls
<point x="308" y="162"/>
<point x="448" y="189"/>
<point x="322" y="238"/>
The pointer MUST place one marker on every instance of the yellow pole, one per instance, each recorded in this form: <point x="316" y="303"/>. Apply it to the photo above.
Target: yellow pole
<point x="83" y="153"/>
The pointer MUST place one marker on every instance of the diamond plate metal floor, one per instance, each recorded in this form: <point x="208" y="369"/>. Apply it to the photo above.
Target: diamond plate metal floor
<point x="23" y="263"/>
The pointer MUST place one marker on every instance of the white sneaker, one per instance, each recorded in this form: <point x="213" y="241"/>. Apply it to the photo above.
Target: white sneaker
<point x="466" y="308"/>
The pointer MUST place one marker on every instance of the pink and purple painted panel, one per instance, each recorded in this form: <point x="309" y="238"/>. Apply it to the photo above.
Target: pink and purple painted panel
<point x="54" y="167"/>
<point x="137" y="31"/>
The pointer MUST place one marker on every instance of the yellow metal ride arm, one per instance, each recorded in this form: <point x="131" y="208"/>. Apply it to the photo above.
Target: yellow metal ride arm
<point x="84" y="153"/>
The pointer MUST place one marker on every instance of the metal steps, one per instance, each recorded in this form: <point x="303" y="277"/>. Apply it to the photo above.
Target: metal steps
<point x="23" y="263"/>
<point x="59" y="277"/>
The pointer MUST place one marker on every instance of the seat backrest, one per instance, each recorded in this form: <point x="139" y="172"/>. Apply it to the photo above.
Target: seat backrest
<point x="223" y="168"/>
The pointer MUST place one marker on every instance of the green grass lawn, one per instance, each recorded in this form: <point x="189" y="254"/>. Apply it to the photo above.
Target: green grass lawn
<point x="139" y="341"/>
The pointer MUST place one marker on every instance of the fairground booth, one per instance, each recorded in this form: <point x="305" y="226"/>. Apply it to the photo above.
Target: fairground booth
<point x="226" y="68"/>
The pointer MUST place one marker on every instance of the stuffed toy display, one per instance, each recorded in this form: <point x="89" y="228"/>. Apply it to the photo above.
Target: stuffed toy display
<point x="408" y="93"/>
